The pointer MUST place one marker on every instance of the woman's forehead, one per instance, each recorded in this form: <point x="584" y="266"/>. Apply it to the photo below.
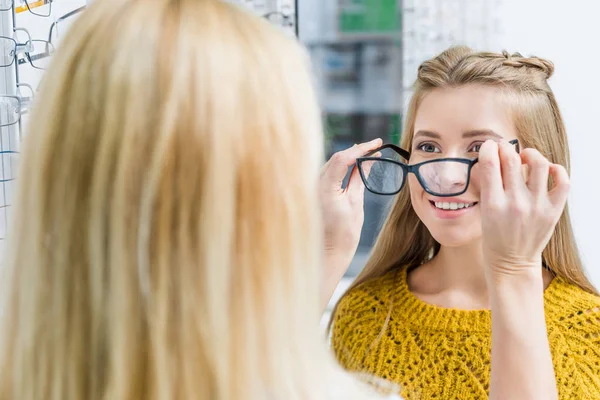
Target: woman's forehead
<point x="463" y="112"/>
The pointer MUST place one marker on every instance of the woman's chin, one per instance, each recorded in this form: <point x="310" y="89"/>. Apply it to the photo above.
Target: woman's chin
<point x="456" y="236"/>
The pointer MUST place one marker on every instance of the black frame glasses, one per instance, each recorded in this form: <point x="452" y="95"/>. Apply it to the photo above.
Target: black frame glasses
<point x="415" y="169"/>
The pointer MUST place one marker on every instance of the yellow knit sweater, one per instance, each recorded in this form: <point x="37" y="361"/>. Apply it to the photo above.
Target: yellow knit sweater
<point x="439" y="353"/>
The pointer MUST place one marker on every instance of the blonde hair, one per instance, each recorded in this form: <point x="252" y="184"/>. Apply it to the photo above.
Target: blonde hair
<point x="404" y="240"/>
<point x="166" y="243"/>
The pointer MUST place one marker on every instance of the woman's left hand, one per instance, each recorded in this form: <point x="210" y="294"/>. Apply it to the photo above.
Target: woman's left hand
<point x="518" y="215"/>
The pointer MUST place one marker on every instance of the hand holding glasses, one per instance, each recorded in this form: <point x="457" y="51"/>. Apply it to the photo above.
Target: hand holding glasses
<point x="442" y="177"/>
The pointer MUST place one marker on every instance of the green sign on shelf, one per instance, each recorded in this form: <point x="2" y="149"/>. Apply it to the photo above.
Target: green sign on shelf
<point x="369" y="16"/>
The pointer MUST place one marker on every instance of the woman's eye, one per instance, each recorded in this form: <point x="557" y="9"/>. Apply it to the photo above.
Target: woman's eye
<point x="475" y="148"/>
<point x="428" y="148"/>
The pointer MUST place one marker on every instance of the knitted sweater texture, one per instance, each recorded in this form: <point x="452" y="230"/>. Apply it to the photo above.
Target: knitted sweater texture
<point x="383" y="329"/>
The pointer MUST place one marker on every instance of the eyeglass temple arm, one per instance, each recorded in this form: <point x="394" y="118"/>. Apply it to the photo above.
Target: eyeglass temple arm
<point x="517" y="144"/>
<point x="403" y="153"/>
<point x="67" y="15"/>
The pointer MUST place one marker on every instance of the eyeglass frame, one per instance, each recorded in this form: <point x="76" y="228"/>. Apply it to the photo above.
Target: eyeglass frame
<point x="14" y="51"/>
<point x="7" y="152"/>
<point x="287" y="19"/>
<point x="25" y="48"/>
<point x="30" y="59"/>
<point x="12" y="5"/>
<point x="49" y="3"/>
<point x="414" y="168"/>
<point x="20" y="112"/>
<point x="60" y="19"/>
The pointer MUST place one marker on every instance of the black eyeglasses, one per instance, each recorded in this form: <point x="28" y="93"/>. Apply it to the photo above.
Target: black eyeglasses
<point x="442" y="177"/>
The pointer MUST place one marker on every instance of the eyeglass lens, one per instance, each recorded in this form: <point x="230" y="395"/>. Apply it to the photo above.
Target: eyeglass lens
<point x="383" y="175"/>
<point x="444" y="177"/>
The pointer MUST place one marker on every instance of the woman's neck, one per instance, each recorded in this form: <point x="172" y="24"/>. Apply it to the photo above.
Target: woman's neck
<point x="461" y="268"/>
<point x="455" y="278"/>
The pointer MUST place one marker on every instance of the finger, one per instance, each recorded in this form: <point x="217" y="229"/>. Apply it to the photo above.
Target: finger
<point x="510" y="165"/>
<point x="562" y="184"/>
<point x="490" y="176"/>
<point x="539" y="168"/>
<point x="337" y="167"/>
<point x="355" y="188"/>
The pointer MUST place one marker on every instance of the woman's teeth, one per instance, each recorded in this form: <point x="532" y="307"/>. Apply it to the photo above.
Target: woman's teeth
<point x="452" y="206"/>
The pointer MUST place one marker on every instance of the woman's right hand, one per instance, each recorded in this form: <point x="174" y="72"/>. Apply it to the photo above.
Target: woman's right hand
<point x="342" y="210"/>
<point x="343" y="207"/>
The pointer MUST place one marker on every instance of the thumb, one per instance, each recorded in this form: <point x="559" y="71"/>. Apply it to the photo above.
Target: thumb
<point x="355" y="187"/>
<point x="337" y="167"/>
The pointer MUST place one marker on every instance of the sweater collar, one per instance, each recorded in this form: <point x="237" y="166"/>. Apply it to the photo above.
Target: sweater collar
<point x="409" y="309"/>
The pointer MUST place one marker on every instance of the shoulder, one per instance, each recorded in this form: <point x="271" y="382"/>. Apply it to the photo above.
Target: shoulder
<point x="573" y="319"/>
<point x="359" y="319"/>
<point x="369" y="299"/>
<point x="570" y="306"/>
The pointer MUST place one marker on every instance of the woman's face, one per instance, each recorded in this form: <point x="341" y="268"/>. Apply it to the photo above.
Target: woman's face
<point x="454" y="122"/>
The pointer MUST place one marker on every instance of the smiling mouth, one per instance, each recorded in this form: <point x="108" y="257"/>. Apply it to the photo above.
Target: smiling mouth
<point x="451" y="206"/>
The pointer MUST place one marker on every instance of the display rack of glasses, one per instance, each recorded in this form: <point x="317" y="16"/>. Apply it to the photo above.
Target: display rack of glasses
<point x="29" y="32"/>
<point x="430" y="26"/>
<point x="281" y="13"/>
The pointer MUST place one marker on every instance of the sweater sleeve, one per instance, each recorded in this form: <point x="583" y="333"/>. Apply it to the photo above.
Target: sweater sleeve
<point x="577" y="354"/>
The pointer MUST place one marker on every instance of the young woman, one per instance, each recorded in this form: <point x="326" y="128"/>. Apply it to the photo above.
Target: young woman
<point x="167" y="241"/>
<point x="418" y="313"/>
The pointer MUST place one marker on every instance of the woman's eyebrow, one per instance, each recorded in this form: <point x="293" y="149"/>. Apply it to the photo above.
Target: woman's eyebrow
<point x="481" y="132"/>
<point x="468" y="134"/>
<point x="429" y="134"/>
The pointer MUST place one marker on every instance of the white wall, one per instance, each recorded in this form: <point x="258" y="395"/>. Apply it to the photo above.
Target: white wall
<point x="567" y="33"/>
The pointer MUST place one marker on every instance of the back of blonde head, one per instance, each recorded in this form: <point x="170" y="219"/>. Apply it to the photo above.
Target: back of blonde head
<point x="166" y="243"/>
<point x="522" y="82"/>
